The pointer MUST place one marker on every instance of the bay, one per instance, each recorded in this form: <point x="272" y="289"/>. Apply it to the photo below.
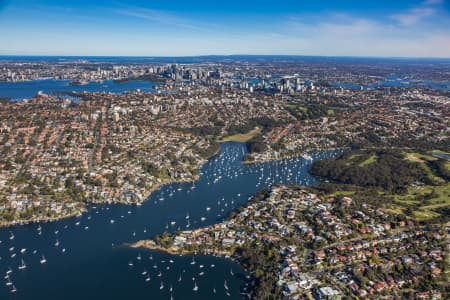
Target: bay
<point x="28" y="89"/>
<point x="396" y="81"/>
<point x="95" y="263"/>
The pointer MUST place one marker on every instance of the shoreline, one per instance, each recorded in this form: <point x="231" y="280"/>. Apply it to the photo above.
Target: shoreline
<point x="250" y="162"/>
<point x="44" y="220"/>
<point x="150" y="191"/>
<point x="84" y="207"/>
<point x="151" y="245"/>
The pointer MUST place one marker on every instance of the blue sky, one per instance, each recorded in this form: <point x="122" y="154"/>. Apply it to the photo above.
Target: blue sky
<point x="396" y="28"/>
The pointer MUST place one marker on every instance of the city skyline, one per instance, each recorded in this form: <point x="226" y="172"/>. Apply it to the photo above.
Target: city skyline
<point x="136" y="28"/>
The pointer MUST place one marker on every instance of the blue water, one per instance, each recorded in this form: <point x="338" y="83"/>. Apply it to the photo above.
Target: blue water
<point x="95" y="264"/>
<point x="28" y="89"/>
<point x="394" y="80"/>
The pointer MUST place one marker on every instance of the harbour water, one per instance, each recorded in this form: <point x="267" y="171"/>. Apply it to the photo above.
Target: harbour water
<point x="86" y="257"/>
<point x="27" y="89"/>
<point x="396" y="81"/>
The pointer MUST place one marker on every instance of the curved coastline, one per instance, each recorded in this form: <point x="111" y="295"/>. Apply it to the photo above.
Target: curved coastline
<point x="154" y="188"/>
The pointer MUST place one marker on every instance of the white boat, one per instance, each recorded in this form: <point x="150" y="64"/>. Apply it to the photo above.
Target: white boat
<point x="193" y="261"/>
<point x="23" y="250"/>
<point x="306" y="156"/>
<point x="43" y="260"/>
<point x="147" y="279"/>
<point x="139" y="257"/>
<point x="22" y="266"/>
<point x="195" y="287"/>
<point x="13" y="290"/>
<point x="161" y="286"/>
<point x="225" y="285"/>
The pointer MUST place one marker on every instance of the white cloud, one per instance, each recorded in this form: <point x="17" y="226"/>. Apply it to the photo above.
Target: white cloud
<point x="414" y="16"/>
<point x="157" y="16"/>
<point x="351" y="36"/>
<point x="419" y="13"/>
<point x="313" y="34"/>
<point x="433" y="2"/>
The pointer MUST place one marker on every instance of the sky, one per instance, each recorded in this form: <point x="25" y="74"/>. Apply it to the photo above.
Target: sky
<point x="382" y="28"/>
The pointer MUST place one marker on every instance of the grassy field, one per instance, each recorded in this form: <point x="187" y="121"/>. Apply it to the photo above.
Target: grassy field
<point x="424" y="200"/>
<point x="422" y="159"/>
<point x="242" y="138"/>
<point x="447" y="165"/>
<point x="373" y="158"/>
<point x="340" y="193"/>
<point x="419" y="157"/>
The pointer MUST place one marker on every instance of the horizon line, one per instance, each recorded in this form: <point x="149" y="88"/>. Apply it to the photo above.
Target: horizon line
<point x="222" y="55"/>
